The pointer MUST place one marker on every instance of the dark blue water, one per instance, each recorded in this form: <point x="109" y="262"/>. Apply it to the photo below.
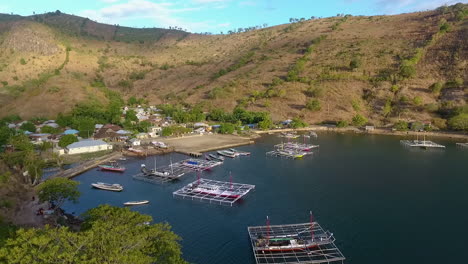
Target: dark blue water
<point x="384" y="203"/>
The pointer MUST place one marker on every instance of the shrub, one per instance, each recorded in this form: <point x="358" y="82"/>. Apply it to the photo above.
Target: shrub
<point x="227" y="128"/>
<point x="356" y="106"/>
<point x="23" y="61"/>
<point x="407" y="71"/>
<point x="125" y="84"/>
<point x="436" y="88"/>
<point x="359" y="120"/>
<point x="298" y="123"/>
<point x="440" y="123"/>
<point x="5" y="83"/>
<point x="67" y="140"/>
<point x="28" y="126"/>
<point x="401" y="126"/>
<point x="354" y="63"/>
<point x="395" y="88"/>
<point x="459" y="122"/>
<point x="315" y="92"/>
<point x="49" y="130"/>
<point x="313" y="105"/>
<point x="417" y="100"/>
<point x="387" y="108"/>
<point x="342" y="123"/>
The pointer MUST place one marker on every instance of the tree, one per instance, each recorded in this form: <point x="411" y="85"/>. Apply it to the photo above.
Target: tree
<point x="265" y="124"/>
<point x="227" y="128"/>
<point x="436" y="88"/>
<point x="417" y="100"/>
<point x="459" y="122"/>
<point x="359" y="120"/>
<point x="131" y="115"/>
<point x="342" y="123"/>
<point x="85" y="125"/>
<point x="407" y="71"/>
<point x="401" y="126"/>
<point x="136" y="242"/>
<point x="313" y="105"/>
<point x="67" y="140"/>
<point x="49" y="130"/>
<point x="354" y="63"/>
<point x="387" y="108"/>
<point x="28" y="126"/>
<point x="58" y="190"/>
<point x="298" y="123"/>
<point x="5" y="134"/>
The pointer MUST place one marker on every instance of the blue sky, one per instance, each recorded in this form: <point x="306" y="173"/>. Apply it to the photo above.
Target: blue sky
<point x="214" y="15"/>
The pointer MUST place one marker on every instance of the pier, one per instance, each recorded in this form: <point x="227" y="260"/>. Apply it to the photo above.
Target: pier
<point x="421" y="144"/>
<point x="462" y="145"/>
<point x="323" y="252"/>
<point x="87" y="165"/>
<point x="224" y="193"/>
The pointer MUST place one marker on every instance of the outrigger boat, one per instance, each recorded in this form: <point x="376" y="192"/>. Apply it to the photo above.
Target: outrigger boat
<point x="214" y="157"/>
<point x="228" y="153"/>
<point x="298" y="241"/>
<point x="136" y="202"/>
<point x="107" y="186"/>
<point x="113" y="166"/>
<point x="241" y="153"/>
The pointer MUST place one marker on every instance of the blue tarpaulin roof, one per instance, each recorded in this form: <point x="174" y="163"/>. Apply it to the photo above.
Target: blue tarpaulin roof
<point x="70" y="132"/>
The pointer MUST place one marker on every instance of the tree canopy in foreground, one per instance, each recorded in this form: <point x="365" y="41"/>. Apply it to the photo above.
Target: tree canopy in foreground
<point x="108" y="235"/>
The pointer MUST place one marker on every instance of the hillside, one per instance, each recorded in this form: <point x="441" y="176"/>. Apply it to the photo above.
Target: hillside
<point x="383" y="67"/>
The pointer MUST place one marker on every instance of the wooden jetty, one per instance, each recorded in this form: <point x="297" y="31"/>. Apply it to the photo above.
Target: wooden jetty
<point x="324" y="252"/>
<point x="87" y="165"/>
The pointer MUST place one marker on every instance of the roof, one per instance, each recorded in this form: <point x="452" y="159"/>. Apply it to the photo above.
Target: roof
<point x="200" y="124"/>
<point x="86" y="143"/>
<point x="70" y="132"/>
<point x="98" y="126"/>
<point x="134" y="140"/>
<point x="123" y="132"/>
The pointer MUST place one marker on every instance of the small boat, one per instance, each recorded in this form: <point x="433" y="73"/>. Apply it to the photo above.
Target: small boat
<point x="241" y="153"/>
<point x="215" y="157"/>
<point x="227" y="153"/>
<point x="107" y="186"/>
<point x="291" y="243"/>
<point x="213" y="190"/>
<point x="313" y="134"/>
<point x="136" y="202"/>
<point x="207" y="157"/>
<point x="113" y="166"/>
<point x="122" y="158"/>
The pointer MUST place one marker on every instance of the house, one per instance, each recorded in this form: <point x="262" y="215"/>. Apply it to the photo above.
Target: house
<point x="135" y="142"/>
<point x="108" y="131"/>
<point x="40" y="137"/>
<point x="142" y="135"/>
<point x="87" y="146"/>
<point x="369" y="128"/>
<point x="154" y="131"/>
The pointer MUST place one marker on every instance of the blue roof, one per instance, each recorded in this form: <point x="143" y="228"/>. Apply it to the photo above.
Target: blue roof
<point x="70" y="132"/>
<point x="216" y="126"/>
<point x="86" y="143"/>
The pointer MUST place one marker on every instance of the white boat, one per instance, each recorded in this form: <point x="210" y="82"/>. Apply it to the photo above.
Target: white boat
<point x="241" y="153"/>
<point x="213" y="190"/>
<point x="136" y="202"/>
<point x="153" y="171"/>
<point x="227" y="153"/>
<point x="108" y="186"/>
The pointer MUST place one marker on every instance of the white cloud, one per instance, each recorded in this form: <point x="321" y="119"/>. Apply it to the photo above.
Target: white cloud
<point x="109" y="1"/>
<point x="164" y="14"/>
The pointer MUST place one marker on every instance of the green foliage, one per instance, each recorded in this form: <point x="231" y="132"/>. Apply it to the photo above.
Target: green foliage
<point x="444" y="27"/>
<point x="67" y="140"/>
<point x="137" y="75"/>
<point x="219" y="92"/>
<point x="85" y="125"/>
<point x="313" y="105"/>
<point x="5" y="134"/>
<point x="265" y="124"/>
<point x="417" y="126"/>
<point x="28" y="126"/>
<point x="22" y="61"/>
<point x="50" y="130"/>
<point x="227" y="128"/>
<point x="401" y="126"/>
<point x="407" y="71"/>
<point x="298" y="123"/>
<point x="174" y="131"/>
<point x="58" y="190"/>
<point x="395" y="88"/>
<point x="355" y="63"/>
<point x="240" y="63"/>
<point x="417" y="100"/>
<point x="127" y="84"/>
<point x="136" y="242"/>
<point x="64" y="120"/>
<point x="440" y="123"/>
<point x="342" y="123"/>
<point x="387" y="108"/>
<point x="359" y="120"/>
<point x="459" y="122"/>
<point x="356" y="105"/>
<point x="436" y="88"/>
<point x="315" y="91"/>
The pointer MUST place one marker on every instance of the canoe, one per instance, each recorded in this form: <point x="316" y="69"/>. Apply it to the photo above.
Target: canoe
<point x="136" y="202"/>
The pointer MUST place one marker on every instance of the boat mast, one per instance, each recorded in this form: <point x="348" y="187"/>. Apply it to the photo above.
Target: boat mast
<point x="172" y="168"/>
<point x="268" y="231"/>
<point x="230" y="181"/>
<point x="311" y="225"/>
<point x="198" y="177"/>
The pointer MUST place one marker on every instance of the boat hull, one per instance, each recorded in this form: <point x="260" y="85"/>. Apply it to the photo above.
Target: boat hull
<point x="104" y="168"/>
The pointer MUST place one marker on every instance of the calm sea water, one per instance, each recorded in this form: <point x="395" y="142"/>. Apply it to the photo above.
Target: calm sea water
<point x="384" y="203"/>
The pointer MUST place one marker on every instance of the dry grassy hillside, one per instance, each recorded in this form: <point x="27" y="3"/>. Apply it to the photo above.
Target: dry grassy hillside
<point x="381" y="66"/>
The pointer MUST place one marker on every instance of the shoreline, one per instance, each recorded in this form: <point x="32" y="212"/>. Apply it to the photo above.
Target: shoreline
<point x="376" y="131"/>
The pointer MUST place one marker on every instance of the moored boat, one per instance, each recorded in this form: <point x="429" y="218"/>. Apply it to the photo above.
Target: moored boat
<point x="227" y="153"/>
<point x="291" y="243"/>
<point x="215" y="157"/>
<point x="107" y="186"/>
<point x="136" y="202"/>
<point x="113" y="166"/>
<point x="241" y="153"/>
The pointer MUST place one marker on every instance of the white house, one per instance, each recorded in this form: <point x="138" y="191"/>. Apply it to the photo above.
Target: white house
<point x="154" y="131"/>
<point x="87" y="146"/>
<point x="135" y="142"/>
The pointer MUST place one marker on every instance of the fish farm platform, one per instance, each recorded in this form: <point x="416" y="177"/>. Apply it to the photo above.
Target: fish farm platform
<point x="421" y="144"/>
<point x="177" y="170"/>
<point x="462" y="145"/>
<point x="323" y="253"/>
<point x="220" y="197"/>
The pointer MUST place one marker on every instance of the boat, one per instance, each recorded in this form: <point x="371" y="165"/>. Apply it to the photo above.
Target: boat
<point x="294" y="242"/>
<point x="113" y="166"/>
<point x="241" y="153"/>
<point x="207" y="157"/>
<point x="196" y="165"/>
<point x="215" y="157"/>
<point x="107" y="186"/>
<point x="213" y="190"/>
<point x="122" y="158"/>
<point x="227" y="153"/>
<point x="153" y="172"/>
<point x="313" y="134"/>
<point x="136" y="202"/>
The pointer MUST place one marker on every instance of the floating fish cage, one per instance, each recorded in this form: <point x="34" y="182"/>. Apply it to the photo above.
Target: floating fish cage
<point x="325" y="251"/>
<point x="216" y="192"/>
<point x="420" y="144"/>
<point x="175" y="170"/>
<point x="288" y="153"/>
<point x="462" y="145"/>
<point x="296" y="146"/>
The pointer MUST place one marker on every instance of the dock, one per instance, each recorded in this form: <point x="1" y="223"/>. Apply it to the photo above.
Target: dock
<point x="177" y="170"/>
<point x="240" y="189"/>
<point x="462" y="145"/>
<point x="324" y="252"/>
<point x="87" y="165"/>
<point x="195" y="145"/>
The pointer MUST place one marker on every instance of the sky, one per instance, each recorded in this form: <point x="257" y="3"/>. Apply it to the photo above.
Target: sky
<point x="214" y="16"/>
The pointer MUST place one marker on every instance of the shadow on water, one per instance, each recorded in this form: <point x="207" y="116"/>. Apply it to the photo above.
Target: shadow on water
<point x="384" y="203"/>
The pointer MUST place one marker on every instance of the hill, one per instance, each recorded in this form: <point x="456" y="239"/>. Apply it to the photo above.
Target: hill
<point x="411" y="66"/>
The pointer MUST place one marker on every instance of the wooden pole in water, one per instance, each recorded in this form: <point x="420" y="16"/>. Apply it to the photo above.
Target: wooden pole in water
<point x="230" y="181"/>
<point x="268" y="230"/>
<point x="311" y="225"/>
